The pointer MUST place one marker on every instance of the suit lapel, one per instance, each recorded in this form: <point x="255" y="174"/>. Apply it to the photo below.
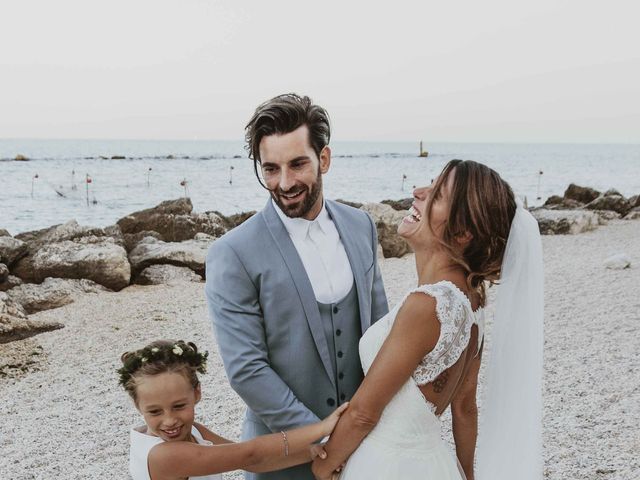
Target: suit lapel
<point x="301" y="281"/>
<point x="355" y="255"/>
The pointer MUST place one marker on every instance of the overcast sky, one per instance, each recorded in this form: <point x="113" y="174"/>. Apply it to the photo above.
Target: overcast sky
<point x="492" y="70"/>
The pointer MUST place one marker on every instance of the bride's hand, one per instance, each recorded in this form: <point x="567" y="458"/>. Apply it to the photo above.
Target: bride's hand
<point x="329" y="423"/>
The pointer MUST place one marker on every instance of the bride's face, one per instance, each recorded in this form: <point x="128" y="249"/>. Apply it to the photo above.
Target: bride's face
<point x="414" y="227"/>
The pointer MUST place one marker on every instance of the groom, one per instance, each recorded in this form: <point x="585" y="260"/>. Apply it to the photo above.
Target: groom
<point x="292" y="290"/>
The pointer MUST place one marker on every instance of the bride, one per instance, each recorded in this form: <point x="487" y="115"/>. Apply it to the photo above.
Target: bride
<point x="467" y="231"/>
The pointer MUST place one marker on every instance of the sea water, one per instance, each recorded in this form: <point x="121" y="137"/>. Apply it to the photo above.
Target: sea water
<point x="79" y="179"/>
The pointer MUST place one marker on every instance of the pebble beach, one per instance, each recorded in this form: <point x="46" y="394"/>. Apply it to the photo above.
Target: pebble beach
<point x="64" y="416"/>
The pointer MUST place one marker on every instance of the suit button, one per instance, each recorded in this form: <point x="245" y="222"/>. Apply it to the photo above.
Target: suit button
<point x="338" y="332"/>
<point x="342" y="396"/>
<point x="335" y="309"/>
<point x="340" y="354"/>
<point x="341" y="375"/>
<point x="331" y="402"/>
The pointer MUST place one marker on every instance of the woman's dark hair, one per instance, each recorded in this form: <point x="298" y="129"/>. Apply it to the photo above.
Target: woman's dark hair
<point x="482" y="204"/>
<point x="284" y="114"/>
<point x="159" y="357"/>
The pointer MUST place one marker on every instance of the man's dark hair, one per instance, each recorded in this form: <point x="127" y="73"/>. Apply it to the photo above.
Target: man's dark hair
<point x="284" y="114"/>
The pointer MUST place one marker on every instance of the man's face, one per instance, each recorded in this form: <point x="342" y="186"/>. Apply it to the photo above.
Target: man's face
<point x="293" y="172"/>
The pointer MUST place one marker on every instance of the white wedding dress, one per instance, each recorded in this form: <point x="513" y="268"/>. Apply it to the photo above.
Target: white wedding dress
<point x="406" y="443"/>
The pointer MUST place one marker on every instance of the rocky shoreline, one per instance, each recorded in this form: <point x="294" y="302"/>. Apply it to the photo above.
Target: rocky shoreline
<point x="49" y="268"/>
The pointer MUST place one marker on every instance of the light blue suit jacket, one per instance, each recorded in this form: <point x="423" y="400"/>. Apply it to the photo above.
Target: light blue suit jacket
<point x="267" y="322"/>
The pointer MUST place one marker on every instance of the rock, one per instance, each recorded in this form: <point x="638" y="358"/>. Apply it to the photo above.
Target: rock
<point x="612" y="191"/>
<point x="52" y="293"/>
<point x="618" y="262"/>
<point x="387" y="220"/>
<point x="581" y="194"/>
<point x="9" y="283"/>
<point x="11" y="250"/>
<point x="553" y="200"/>
<point x="190" y="253"/>
<point x="401" y="205"/>
<point x="633" y="214"/>
<point x="15" y="325"/>
<point x="166" y="275"/>
<point x="174" y="221"/>
<point x="132" y="239"/>
<point x="393" y="245"/>
<point x="605" y="216"/>
<point x="68" y="231"/>
<point x="233" y="221"/>
<point x="613" y="202"/>
<point x="95" y="258"/>
<point x="21" y="158"/>
<point x="554" y="222"/>
<point x="556" y="202"/>
<point x="351" y="204"/>
<point x="4" y="233"/>
<point x="4" y="273"/>
<point x="634" y="201"/>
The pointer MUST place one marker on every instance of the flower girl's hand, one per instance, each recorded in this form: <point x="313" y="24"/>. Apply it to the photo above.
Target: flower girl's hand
<point x="329" y="423"/>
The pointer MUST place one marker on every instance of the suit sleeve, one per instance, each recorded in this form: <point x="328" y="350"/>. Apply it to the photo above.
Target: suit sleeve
<point x="379" y="305"/>
<point x="235" y="311"/>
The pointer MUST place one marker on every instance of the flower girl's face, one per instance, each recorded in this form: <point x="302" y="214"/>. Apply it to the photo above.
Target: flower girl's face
<point x="167" y="402"/>
<point x="414" y="227"/>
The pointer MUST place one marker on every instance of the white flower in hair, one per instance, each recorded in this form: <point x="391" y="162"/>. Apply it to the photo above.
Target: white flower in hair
<point x="177" y="350"/>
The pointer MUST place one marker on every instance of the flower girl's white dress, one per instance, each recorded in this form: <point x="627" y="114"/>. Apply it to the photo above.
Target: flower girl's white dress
<point x="406" y="443"/>
<point x="141" y="444"/>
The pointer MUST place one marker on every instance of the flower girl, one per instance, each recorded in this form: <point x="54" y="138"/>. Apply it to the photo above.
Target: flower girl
<point x="162" y="380"/>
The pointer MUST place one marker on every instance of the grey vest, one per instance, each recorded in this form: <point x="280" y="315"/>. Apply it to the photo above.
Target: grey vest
<point x="342" y="330"/>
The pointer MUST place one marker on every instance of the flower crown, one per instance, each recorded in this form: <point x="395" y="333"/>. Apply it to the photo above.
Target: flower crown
<point x="169" y="353"/>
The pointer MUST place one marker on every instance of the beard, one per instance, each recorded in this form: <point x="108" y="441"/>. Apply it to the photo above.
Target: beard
<point x="301" y="208"/>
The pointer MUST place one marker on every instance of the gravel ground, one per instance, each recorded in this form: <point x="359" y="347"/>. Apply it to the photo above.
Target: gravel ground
<point x="63" y="415"/>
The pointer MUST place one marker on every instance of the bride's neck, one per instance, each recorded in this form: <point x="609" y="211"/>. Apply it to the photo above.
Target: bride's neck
<point x="434" y="266"/>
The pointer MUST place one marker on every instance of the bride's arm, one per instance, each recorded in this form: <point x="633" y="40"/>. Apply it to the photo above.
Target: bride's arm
<point x="413" y="335"/>
<point x="464" y="415"/>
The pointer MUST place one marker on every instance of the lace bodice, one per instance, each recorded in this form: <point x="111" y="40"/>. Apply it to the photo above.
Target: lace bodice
<point x="456" y="317"/>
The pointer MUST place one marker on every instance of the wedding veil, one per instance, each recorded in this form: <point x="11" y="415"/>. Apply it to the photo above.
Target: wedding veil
<point x="510" y="438"/>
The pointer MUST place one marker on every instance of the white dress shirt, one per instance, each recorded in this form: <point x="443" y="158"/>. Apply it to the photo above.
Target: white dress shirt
<point x="322" y="253"/>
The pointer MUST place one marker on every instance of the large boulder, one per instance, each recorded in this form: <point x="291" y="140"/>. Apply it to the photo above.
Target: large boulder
<point x="190" y="253"/>
<point x="52" y="293"/>
<point x="99" y="259"/>
<point x="11" y="250"/>
<point x="174" y="221"/>
<point x="556" y="202"/>
<point x="166" y="275"/>
<point x="610" y="201"/>
<point x="581" y="194"/>
<point x="16" y="325"/>
<point x="4" y="233"/>
<point x="68" y="231"/>
<point x="562" y="222"/>
<point x="387" y="220"/>
<point x="400" y="205"/>
<point x="634" y="201"/>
